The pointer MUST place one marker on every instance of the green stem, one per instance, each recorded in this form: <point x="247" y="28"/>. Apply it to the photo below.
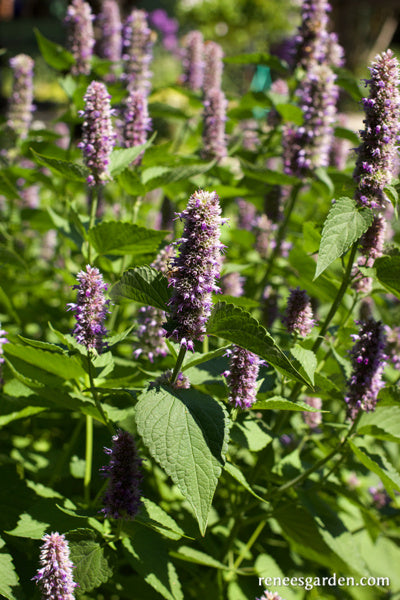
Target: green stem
<point x="320" y="463"/>
<point x="88" y="459"/>
<point x="93" y="200"/>
<point x="249" y="544"/>
<point x="95" y="396"/>
<point x="281" y="234"/>
<point x="66" y="453"/>
<point x="335" y="305"/>
<point x="338" y="299"/>
<point x="178" y="364"/>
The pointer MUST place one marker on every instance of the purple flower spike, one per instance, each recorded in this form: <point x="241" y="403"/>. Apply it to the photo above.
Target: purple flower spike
<point x="307" y="147"/>
<point x="213" y="55"/>
<point x="299" y="316"/>
<point x="242" y="377"/>
<point x="182" y="381"/>
<point x="109" y="45"/>
<point x="122" y="498"/>
<point x="150" y="332"/>
<point x="196" y="269"/>
<point x="380" y="497"/>
<point x="80" y="35"/>
<point x="214" y="117"/>
<point x="3" y="340"/>
<point x="137" y="122"/>
<point x="232" y="284"/>
<point x="313" y="419"/>
<point x="378" y="150"/>
<point x="98" y="137"/>
<point x="55" y="576"/>
<point x="372" y="243"/>
<point x="20" y="107"/>
<point x="313" y="38"/>
<point x="138" y="41"/>
<point x="246" y="214"/>
<point x="193" y="61"/>
<point x="90" y="309"/>
<point x="368" y="361"/>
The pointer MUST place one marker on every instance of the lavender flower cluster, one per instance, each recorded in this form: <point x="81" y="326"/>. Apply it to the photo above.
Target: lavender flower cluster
<point x="109" y="45"/>
<point x="98" y="136"/>
<point x="313" y="38"/>
<point x="137" y="122"/>
<point x="150" y="331"/>
<point x="308" y="147"/>
<point x="20" y="106"/>
<point x="193" y="61"/>
<point x="90" y="309"/>
<point x="214" y="117"/>
<point x="55" y="575"/>
<point x="138" y="41"/>
<point x="368" y="361"/>
<point x="196" y="268"/>
<point x="124" y="471"/>
<point x="299" y="316"/>
<point x="80" y="35"/>
<point x="242" y="377"/>
<point x="377" y="152"/>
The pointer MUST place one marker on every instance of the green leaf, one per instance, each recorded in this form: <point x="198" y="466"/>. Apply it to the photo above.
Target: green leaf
<point x="383" y="423"/>
<point x="66" y="169"/>
<point x="199" y="558"/>
<point x="377" y="462"/>
<point x="55" y="55"/>
<point x="8" y="577"/>
<point x="144" y="285"/>
<point x="347" y="134"/>
<point x="92" y="568"/>
<point x="130" y="182"/>
<point x="150" y="559"/>
<point x="388" y="273"/>
<point x="198" y="359"/>
<point x="267" y="176"/>
<point x="344" y="225"/>
<point x="290" y="112"/>
<point x="236" y="325"/>
<point x="307" y="359"/>
<point x="155" y="177"/>
<point x="237" y="301"/>
<point x="7" y="188"/>
<point x="278" y="403"/>
<point x="189" y="439"/>
<point x="66" y="367"/>
<point x="250" y="434"/>
<point x="118" y="237"/>
<point x="240" y="478"/>
<point x="258" y="58"/>
<point x="161" y="520"/>
<point x="121" y="158"/>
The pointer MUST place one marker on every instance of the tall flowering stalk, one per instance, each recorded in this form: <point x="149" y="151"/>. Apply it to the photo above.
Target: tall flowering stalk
<point x="124" y="471"/>
<point x="372" y="243"/>
<point x="313" y="38"/>
<point x="307" y="147"/>
<point x="150" y="331"/>
<point x="313" y="419"/>
<point x="91" y="309"/>
<point x="20" y="107"/>
<point x="109" y="45"/>
<point x="368" y="362"/>
<point x="98" y="136"/>
<point x="213" y="66"/>
<point x="137" y="122"/>
<point x="196" y="268"/>
<point x="299" y="316"/>
<point x="55" y="575"/>
<point x="214" y="117"/>
<point x="377" y="152"/>
<point x="193" y="61"/>
<point x="242" y="377"/>
<point x="80" y="35"/>
<point x="138" y="41"/>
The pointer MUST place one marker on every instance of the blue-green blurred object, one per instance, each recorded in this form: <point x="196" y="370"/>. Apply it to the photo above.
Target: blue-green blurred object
<point x="261" y="82"/>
